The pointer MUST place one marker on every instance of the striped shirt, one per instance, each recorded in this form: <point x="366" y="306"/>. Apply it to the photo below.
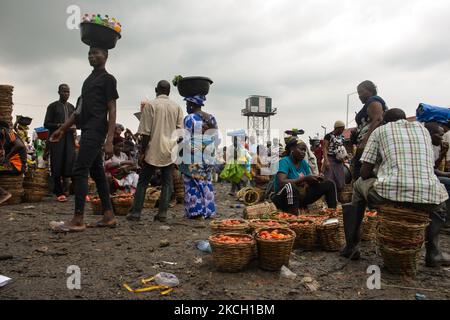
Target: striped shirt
<point x="404" y="152"/>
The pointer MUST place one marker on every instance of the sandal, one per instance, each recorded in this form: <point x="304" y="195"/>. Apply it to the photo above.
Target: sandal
<point x="61" y="198"/>
<point x="101" y="224"/>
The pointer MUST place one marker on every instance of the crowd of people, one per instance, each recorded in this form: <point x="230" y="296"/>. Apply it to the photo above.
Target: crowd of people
<point x="393" y="160"/>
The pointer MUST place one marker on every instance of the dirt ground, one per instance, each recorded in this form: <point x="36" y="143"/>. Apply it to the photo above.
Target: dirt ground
<point x="108" y="258"/>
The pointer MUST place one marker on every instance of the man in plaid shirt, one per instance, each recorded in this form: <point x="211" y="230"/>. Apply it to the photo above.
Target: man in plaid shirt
<point x="398" y="168"/>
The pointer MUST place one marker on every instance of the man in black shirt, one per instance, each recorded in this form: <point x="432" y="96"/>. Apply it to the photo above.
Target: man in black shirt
<point x="62" y="153"/>
<point x="95" y="115"/>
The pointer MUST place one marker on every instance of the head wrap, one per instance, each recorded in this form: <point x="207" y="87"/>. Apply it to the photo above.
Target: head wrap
<point x="198" y="100"/>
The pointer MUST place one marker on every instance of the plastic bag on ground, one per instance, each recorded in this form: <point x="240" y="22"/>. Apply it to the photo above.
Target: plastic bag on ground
<point x="167" y="279"/>
<point x="286" y="273"/>
<point x="203" y="245"/>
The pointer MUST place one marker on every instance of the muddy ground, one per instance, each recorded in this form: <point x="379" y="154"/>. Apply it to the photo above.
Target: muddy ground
<point x="108" y="258"/>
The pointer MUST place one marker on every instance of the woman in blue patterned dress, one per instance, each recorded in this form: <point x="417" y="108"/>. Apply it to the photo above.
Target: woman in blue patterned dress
<point x="197" y="176"/>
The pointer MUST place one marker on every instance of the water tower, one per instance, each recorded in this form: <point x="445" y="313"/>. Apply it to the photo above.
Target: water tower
<point x="258" y="110"/>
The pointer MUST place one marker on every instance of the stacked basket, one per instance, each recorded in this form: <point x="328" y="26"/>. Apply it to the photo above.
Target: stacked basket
<point x="260" y="211"/>
<point x="400" y="237"/>
<point x="35" y="185"/>
<point x="14" y="185"/>
<point x="6" y="103"/>
<point x="369" y="226"/>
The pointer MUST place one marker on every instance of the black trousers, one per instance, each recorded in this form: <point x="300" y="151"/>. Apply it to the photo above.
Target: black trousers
<point x="90" y="161"/>
<point x="146" y="174"/>
<point x="288" y="199"/>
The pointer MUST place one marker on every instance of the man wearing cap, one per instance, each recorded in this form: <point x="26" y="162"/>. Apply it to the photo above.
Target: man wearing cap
<point x="334" y="154"/>
<point x="159" y="119"/>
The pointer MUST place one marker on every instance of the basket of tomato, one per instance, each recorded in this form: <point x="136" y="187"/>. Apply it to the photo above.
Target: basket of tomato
<point x="257" y="224"/>
<point x="369" y="226"/>
<point x="231" y="252"/>
<point x="284" y="216"/>
<point x="229" y="226"/>
<point x="274" y="247"/>
<point x="306" y="233"/>
<point x="96" y="205"/>
<point x="331" y="234"/>
<point x="122" y="203"/>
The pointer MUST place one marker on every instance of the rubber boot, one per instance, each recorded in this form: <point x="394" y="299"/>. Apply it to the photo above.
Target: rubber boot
<point x="353" y="217"/>
<point x="434" y="257"/>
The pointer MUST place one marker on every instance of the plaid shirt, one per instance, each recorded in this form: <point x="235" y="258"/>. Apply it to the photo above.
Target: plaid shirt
<point x="405" y="154"/>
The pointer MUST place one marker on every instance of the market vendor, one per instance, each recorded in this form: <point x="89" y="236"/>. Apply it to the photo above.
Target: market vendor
<point x="13" y="156"/>
<point x="62" y="153"/>
<point x="121" y="170"/>
<point x="405" y="177"/>
<point x="294" y="185"/>
<point x="260" y="169"/>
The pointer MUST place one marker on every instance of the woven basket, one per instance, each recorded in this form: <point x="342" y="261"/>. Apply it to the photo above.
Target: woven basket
<point x="402" y="262"/>
<point x="369" y="229"/>
<point x="402" y="231"/>
<point x="396" y="213"/>
<point x="96" y="206"/>
<point x="32" y="197"/>
<point x="345" y="197"/>
<point x="260" y="211"/>
<point x="317" y="206"/>
<point x="273" y="254"/>
<point x="121" y="207"/>
<point x="257" y="224"/>
<point x="240" y="194"/>
<point x="231" y="257"/>
<point x="151" y="197"/>
<point x="306" y="234"/>
<point x="217" y="227"/>
<point x="331" y="237"/>
<point x="253" y="196"/>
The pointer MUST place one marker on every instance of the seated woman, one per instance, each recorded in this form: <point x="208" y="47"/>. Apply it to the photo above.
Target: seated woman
<point x="120" y="170"/>
<point x="295" y="187"/>
<point x="13" y="156"/>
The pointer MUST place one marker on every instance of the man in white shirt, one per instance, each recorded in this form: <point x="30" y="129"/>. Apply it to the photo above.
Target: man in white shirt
<point x="159" y="119"/>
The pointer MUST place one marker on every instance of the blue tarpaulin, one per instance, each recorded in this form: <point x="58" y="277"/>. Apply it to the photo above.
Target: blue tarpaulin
<point x="429" y="113"/>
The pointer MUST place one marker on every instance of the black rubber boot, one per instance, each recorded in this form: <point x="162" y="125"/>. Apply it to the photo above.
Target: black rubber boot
<point x="353" y="217"/>
<point x="434" y="257"/>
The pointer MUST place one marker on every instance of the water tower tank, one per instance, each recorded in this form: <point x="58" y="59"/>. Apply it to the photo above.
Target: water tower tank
<point x="259" y="104"/>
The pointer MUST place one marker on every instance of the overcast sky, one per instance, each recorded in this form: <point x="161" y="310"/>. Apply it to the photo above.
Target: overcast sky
<point x="305" y="54"/>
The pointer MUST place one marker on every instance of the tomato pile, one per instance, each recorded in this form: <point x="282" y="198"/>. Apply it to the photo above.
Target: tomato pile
<point x="123" y="198"/>
<point x="300" y="223"/>
<point x="230" y="222"/>
<point x="371" y="214"/>
<point x="266" y="223"/>
<point x="285" y="216"/>
<point x="273" y="235"/>
<point x="232" y="239"/>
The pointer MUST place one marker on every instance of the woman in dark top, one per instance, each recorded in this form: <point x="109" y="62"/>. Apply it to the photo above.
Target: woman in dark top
<point x="368" y="119"/>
